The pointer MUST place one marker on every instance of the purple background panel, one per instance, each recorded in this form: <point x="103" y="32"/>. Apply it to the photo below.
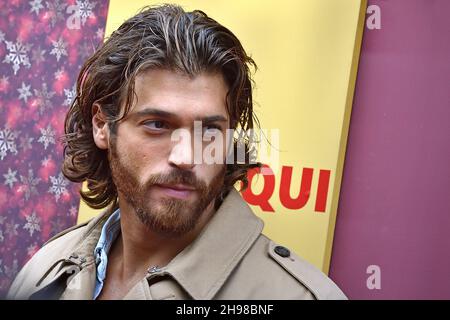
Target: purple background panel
<point x="394" y="209"/>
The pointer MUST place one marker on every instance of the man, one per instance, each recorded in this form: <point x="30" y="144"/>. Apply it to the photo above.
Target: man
<point x="174" y="227"/>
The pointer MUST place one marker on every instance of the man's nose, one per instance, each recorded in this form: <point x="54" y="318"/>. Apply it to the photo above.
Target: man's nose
<point x="181" y="154"/>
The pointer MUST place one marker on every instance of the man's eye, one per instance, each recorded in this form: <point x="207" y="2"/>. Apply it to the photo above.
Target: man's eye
<point x="212" y="128"/>
<point x="155" y="124"/>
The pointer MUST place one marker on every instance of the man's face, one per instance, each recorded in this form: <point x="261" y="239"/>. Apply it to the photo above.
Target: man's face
<point x="155" y="173"/>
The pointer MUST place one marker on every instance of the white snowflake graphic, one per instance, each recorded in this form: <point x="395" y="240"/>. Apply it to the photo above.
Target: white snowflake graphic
<point x="25" y="142"/>
<point x="7" y="142"/>
<point x="59" y="49"/>
<point x="24" y="92"/>
<point x="36" y="6"/>
<point x="47" y="136"/>
<point x="1" y="237"/>
<point x="85" y="10"/>
<point x="29" y="184"/>
<point x="58" y="186"/>
<point x="4" y="81"/>
<point x="10" y="178"/>
<point x="44" y="98"/>
<point x="70" y="95"/>
<point x="46" y="161"/>
<point x="37" y="55"/>
<point x="32" y="248"/>
<point x="11" y="272"/>
<point x="73" y="211"/>
<point x="18" y="55"/>
<point x="32" y="224"/>
<point x="56" y="10"/>
<point x="2" y="36"/>
<point x="11" y="229"/>
<point x="59" y="73"/>
<point x="100" y="33"/>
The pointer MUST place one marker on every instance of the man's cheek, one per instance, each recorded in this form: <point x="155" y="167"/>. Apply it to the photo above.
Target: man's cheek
<point x="206" y="174"/>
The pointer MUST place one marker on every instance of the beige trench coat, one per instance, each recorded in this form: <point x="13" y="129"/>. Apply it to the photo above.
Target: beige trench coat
<point x="230" y="259"/>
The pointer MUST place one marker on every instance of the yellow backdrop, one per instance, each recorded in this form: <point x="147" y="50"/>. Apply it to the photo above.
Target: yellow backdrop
<point x="307" y="53"/>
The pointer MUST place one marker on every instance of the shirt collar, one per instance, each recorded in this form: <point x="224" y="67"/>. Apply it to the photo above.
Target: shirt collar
<point x="108" y="235"/>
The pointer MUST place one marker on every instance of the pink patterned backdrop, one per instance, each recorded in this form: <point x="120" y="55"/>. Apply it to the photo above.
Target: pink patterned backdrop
<point x="43" y="45"/>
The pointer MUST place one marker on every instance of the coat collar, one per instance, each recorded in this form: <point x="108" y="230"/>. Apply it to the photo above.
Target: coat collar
<point x="74" y="261"/>
<point x="202" y="267"/>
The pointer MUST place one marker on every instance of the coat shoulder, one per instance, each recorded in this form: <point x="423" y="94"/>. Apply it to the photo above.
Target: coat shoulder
<point x="271" y="271"/>
<point x="309" y="276"/>
<point x="66" y="232"/>
<point x="54" y="249"/>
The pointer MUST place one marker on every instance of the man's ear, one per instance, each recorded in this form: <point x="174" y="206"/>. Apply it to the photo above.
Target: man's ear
<point x="100" y="128"/>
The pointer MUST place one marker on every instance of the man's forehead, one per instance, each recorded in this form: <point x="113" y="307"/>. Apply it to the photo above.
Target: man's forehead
<point x="173" y="94"/>
<point x="172" y="78"/>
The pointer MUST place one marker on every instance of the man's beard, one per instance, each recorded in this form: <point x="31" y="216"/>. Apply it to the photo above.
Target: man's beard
<point x="172" y="216"/>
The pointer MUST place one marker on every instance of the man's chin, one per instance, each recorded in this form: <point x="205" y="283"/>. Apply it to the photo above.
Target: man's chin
<point x="173" y="206"/>
<point x="169" y="219"/>
<point x="164" y="205"/>
<point x="171" y="216"/>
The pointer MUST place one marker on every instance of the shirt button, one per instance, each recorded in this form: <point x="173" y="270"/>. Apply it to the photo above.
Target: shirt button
<point x="282" y="251"/>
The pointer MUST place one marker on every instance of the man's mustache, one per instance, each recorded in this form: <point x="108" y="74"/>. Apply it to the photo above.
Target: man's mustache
<point x="177" y="176"/>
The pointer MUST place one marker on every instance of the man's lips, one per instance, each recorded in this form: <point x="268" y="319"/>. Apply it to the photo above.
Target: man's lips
<point x="178" y="187"/>
<point x="179" y="191"/>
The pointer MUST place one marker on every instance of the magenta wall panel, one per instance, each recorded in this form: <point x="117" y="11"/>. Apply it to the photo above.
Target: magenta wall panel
<point x="394" y="209"/>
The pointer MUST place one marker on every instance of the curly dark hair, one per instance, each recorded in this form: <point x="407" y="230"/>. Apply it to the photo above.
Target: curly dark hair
<point x="157" y="37"/>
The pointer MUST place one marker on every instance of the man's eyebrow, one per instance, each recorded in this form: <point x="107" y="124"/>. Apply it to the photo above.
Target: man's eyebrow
<point x="215" y="118"/>
<point x="167" y="114"/>
<point x="154" y="112"/>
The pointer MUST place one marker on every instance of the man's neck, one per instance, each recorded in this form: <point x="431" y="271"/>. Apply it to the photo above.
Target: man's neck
<point x="138" y="248"/>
